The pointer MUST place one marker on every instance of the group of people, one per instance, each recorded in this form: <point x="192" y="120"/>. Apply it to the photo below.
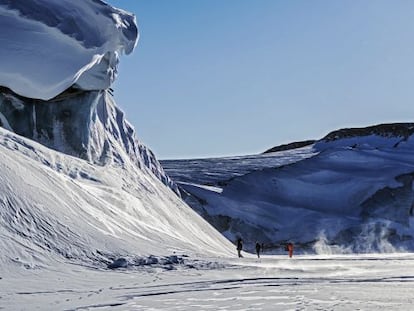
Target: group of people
<point x="260" y="248"/>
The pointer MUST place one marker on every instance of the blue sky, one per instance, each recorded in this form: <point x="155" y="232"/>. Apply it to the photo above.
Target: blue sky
<point x="235" y="77"/>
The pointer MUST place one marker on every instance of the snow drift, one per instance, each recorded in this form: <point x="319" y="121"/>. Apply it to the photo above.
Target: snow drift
<point x="57" y="207"/>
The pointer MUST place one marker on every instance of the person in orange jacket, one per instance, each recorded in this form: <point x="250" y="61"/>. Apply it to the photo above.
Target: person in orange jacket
<point x="290" y="249"/>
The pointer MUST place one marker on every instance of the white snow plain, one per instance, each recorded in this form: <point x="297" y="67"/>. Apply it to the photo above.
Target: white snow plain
<point x="364" y="282"/>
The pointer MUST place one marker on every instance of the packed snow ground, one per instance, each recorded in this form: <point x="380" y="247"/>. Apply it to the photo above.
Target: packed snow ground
<point x="365" y="282"/>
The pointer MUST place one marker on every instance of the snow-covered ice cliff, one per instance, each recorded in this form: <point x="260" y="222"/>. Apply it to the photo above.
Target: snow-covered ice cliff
<point x="57" y="60"/>
<point x="75" y="182"/>
<point x="48" y="46"/>
<point x="85" y="124"/>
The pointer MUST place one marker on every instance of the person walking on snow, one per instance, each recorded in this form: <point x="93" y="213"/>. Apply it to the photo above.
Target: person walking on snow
<point x="258" y="248"/>
<point x="239" y="247"/>
<point x="290" y="249"/>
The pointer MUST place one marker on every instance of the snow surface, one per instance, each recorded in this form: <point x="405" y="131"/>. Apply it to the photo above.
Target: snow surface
<point x="364" y="282"/>
<point x="54" y="207"/>
<point x="51" y="45"/>
<point x="214" y="171"/>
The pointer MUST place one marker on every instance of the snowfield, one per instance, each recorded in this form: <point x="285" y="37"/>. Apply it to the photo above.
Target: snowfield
<point x="78" y="236"/>
<point x="365" y="282"/>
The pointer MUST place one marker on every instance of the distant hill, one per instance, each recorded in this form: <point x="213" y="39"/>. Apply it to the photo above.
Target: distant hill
<point x="290" y="146"/>
<point x="399" y="130"/>
<point x="403" y="130"/>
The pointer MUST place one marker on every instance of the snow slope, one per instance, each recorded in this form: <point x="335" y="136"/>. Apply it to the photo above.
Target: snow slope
<point x="52" y="45"/>
<point x="54" y="207"/>
<point x="214" y="171"/>
<point x="355" y="195"/>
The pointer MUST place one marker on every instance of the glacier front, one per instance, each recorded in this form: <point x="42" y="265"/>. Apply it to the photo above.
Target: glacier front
<point x="57" y="60"/>
<point x="76" y="184"/>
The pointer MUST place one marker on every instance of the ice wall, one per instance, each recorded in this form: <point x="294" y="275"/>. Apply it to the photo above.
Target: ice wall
<point x="87" y="125"/>
<point x="57" y="60"/>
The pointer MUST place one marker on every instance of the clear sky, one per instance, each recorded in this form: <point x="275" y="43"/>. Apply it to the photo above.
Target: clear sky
<point x="235" y="77"/>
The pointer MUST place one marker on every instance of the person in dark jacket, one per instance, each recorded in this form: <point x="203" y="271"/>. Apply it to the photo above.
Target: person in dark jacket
<point x="239" y="247"/>
<point x="258" y="248"/>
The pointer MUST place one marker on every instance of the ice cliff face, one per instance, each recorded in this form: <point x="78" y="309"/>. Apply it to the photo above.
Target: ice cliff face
<point x="84" y="124"/>
<point x="57" y="59"/>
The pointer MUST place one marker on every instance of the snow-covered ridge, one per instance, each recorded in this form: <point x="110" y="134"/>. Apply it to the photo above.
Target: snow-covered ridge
<point x="376" y="136"/>
<point x="54" y="207"/>
<point x="402" y="130"/>
<point x="51" y="45"/>
<point x="354" y="193"/>
<point x="290" y="146"/>
<point x="218" y="171"/>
